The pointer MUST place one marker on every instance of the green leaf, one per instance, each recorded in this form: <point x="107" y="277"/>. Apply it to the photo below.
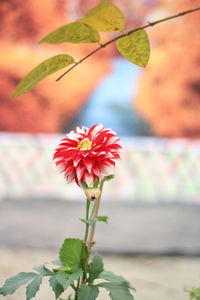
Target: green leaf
<point x="102" y="219"/>
<point x="44" y="69"/>
<point x="105" y="17"/>
<point x="135" y="47"/>
<point x="13" y="283"/>
<point x="75" y="32"/>
<point x="96" y="183"/>
<point x="92" y="222"/>
<point x="57" y="262"/>
<point x="84" y="185"/>
<point x="43" y="270"/>
<point x="95" y="267"/>
<point x="87" y="292"/>
<point x="118" y="286"/>
<point x="110" y="276"/>
<point x="194" y="293"/>
<point x="73" y="254"/>
<point x="62" y="278"/>
<point x="84" y="221"/>
<point x="33" y="287"/>
<point x="109" y="177"/>
<point x="56" y="286"/>
<point x="117" y="291"/>
<point x="74" y="276"/>
<point x="65" y="279"/>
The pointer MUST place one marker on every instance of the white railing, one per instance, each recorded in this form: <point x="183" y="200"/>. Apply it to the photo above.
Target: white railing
<point x="152" y="169"/>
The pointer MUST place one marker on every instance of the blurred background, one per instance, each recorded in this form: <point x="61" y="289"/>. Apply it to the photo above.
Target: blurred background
<point x="153" y="202"/>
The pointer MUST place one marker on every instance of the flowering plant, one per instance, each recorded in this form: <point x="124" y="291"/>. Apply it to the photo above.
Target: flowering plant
<point x="88" y="157"/>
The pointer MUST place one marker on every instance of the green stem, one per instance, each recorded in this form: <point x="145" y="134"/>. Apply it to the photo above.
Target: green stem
<point x="92" y="210"/>
<point x="87" y="218"/>
<point x="85" y="239"/>
<point x="76" y="290"/>
<point x="94" y="216"/>
<point x="73" y="287"/>
<point x="89" y="242"/>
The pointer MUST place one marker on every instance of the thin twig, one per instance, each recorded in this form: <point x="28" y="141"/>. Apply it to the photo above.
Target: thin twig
<point x="150" y="24"/>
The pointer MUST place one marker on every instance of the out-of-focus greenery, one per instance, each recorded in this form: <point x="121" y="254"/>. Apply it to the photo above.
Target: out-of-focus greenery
<point x="194" y="293"/>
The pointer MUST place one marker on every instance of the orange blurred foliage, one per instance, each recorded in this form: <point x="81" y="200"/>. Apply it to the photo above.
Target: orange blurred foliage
<point x="50" y="105"/>
<point x="169" y="89"/>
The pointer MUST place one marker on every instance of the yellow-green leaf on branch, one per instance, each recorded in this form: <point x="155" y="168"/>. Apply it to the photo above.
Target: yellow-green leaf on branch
<point x="75" y="32"/>
<point x="105" y="17"/>
<point x="135" y="47"/>
<point x="44" y="69"/>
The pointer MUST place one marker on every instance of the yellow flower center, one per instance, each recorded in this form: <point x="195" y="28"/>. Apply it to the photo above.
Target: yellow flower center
<point x="84" y="145"/>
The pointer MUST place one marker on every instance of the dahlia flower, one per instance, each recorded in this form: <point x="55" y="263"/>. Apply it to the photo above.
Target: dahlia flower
<point x="87" y="154"/>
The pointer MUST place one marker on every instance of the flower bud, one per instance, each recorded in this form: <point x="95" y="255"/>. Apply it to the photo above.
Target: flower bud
<point x="92" y="193"/>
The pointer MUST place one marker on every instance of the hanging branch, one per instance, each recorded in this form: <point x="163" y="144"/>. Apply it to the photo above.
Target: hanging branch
<point x="133" y="44"/>
<point x="149" y="24"/>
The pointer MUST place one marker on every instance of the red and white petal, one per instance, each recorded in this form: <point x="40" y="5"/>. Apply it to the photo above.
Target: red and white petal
<point x="97" y="170"/>
<point x="94" y="130"/>
<point x="89" y="163"/>
<point x="70" y="177"/>
<point x="89" y="179"/>
<point x="68" y="169"/>
<point x="68" y="142"/>
<point x="107" y="169"/>
<point x="76" y="160"/>
<point x="80" y="169"/>
<point x="61" y="167"/>
<point x="112" y="140"/>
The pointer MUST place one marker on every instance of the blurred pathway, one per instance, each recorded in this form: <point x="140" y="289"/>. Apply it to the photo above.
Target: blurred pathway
<point x="147" y="229"/>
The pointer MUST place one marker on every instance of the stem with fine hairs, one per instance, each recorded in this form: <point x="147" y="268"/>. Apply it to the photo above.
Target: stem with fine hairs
<point x="90" y="242"/>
